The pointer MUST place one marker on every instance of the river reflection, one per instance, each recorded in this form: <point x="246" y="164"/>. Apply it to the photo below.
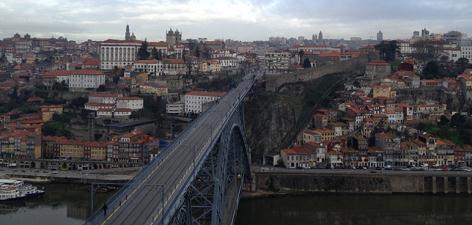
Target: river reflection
<point x="68" y="204"/>
<point x="357" y="210"/>
<point x="62" y="204"/>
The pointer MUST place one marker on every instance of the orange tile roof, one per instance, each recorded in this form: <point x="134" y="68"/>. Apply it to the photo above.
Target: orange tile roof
<point x="173" y="61"/>
<point x="129" y="98"/>
<point x="147" y="61"/>
<point x="206" y="93"/>
<point x="56" y="73"/>
<point x="377" y="62"/>
<point x="298" y="150"/>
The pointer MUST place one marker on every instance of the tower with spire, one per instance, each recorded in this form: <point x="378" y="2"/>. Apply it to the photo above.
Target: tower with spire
<point x="320" y="36"/>
<point x="127" y="34"/>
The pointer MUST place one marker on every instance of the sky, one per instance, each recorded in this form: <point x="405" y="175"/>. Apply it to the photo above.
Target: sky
<point x="232" y="19"/>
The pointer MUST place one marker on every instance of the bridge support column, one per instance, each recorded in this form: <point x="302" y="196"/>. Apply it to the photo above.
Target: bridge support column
<point x="446" y="185"/>
<point x="469" y="185"/>
<point x="458" y="185"/>
<point x="434" y="186"/>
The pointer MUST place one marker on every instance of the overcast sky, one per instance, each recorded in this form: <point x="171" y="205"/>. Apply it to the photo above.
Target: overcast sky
<point x="235" y="19"/>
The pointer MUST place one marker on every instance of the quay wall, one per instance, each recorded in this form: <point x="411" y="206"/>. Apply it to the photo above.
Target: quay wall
<point x="362" y="183"/>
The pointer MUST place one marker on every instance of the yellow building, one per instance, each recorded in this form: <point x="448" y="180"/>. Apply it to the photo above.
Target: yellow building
<point x="20" y="144"/>
<point x="71" y="149"/>
<point x="153" y="88"/>
<point x="214" y="66"/>
<point x="203" y="67"/>
<point x="379" y="91"/>
<point x="98" y="150"/>
<point x="47" y="111"/>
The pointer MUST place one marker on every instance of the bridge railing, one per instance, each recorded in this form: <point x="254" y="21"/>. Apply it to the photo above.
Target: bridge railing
<point x="114" y="201"/>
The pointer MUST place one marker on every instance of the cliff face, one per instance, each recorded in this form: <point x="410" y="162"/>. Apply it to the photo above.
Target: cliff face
<point x="273" y="119"/>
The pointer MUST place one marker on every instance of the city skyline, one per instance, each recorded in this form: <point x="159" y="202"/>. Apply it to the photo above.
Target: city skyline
<point x="241" y="20"/>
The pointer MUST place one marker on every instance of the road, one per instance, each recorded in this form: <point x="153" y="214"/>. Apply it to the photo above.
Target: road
<point x="86" y="176"/>
<point x="153" y="192"/>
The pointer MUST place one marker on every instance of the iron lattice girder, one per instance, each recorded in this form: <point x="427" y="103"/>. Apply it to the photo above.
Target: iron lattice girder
<point x="208" y="195"/>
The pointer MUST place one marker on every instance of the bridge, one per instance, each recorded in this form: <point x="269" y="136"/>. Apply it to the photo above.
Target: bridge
<point x="197" y="180"/>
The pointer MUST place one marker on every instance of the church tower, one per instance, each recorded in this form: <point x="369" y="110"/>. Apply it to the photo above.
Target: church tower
<point x="127" y="34"/>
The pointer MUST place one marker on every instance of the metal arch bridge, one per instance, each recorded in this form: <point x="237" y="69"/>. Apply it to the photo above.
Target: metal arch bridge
<point x="197" y="180"/>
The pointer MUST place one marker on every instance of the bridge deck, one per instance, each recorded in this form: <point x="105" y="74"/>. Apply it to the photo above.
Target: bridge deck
<point x="154" y="192"/>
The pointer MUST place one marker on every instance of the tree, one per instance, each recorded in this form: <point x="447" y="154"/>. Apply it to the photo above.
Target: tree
<point x="143" y="52"/>
<point x="154" y="53"/>
<point x="431" y="70"/>
<point x="306" y="63"/>
<point x="78" y="102"/>
<point x="458" y="120"/>
<point x="301" y="53"/>
<point x="60" y="86"/>
<point x="388" y="50"/>
<point x="461" y="65"/>
<point x="443" y="121"/>
<point x="101" y="88"/>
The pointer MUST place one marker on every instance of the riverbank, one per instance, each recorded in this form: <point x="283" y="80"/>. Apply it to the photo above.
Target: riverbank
<point x="115" y="175"/>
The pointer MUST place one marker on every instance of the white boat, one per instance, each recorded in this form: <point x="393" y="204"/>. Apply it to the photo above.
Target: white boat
<point x="14" y="189"/>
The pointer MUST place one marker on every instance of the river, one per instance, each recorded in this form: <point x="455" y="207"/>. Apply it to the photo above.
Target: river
<point x="69" y="204"/>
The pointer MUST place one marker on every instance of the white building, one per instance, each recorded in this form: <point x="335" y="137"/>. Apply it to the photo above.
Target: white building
<point x="150" y="66"/>
<point x="228" y="63"/>
<point x="118" y="53"/>
<point x="77" y="78"/>
<point x="466" y="52"/>
<point x="277" y="62"/>
<point x="194" y="100"/>
<point x="453" y="54"/>
<point x="107" y="104"/>
<point x="174" y="67"/>
<point x="103" y="97"/>
<point x="405" y="47"/>
<point x="175" y="108"/>
<point x="129" y="102"/>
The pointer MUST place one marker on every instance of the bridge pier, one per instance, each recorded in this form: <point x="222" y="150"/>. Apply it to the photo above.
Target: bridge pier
<point x="434" y="187"/>
<point x="446" y="185"/>
<point x="469" y="185"/>
<point x="458" y="185"/>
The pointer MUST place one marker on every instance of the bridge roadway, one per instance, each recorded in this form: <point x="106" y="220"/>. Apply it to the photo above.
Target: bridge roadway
<point x="154" y="192"/>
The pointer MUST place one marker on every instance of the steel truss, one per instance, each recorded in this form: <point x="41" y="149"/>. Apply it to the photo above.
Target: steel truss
<point x="212" y="198"/>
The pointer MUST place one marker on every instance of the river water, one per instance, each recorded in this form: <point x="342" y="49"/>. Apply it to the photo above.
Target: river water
<point x="69" y="204"/>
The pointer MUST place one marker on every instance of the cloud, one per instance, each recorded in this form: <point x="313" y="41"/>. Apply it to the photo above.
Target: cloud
<point x="236" y="19"/>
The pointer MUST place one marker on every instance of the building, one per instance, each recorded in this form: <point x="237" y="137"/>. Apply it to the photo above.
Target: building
<point x="107" y="104"/>
<point x="134" y="148"/>
<point x="466" y="52"/>
<point x="174" y="67"/>
<point x="118" y="53"/>
<point x="129" y="37"/>
<point x="129" y="102"/>
<point x="19" y="145"/>
<point x="173" y="38"/>
<point x="380" y="36"/>
<point x="47" y="111"/>
<point x="466" y="84"/>
<point x="377" y="69"/>
<point x="277" y="62"/>
<point x="300" y="156"/>
<point x="150" y="66"/>
<point x="153" y="88"/>
<point x="175" y="108"/>
<point x="195" y="100"/>
<point x="76" y="79"/>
